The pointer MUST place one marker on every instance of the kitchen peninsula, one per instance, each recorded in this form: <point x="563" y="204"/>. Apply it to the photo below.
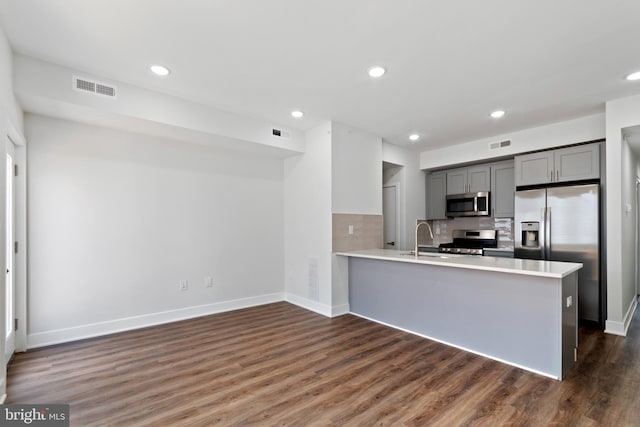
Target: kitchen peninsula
<point x="517" y="311"/>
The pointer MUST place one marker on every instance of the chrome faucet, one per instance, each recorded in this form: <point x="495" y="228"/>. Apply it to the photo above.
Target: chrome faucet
<point x="418" y="228"/>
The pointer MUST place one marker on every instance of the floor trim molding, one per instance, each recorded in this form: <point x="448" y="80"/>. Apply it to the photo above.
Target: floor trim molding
<point x="621" y="328"/>
<point x="60" y="336"/>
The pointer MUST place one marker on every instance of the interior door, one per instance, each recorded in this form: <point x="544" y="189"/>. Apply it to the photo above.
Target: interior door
<point x="9" y="333"/>
<point x="390" y="216"/>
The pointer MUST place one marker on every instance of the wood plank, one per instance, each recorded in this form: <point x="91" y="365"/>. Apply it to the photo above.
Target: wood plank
<point x="279" y="364"/>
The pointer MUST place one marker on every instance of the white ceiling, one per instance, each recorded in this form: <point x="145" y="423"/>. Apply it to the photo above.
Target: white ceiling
<point x="449" y="63"/>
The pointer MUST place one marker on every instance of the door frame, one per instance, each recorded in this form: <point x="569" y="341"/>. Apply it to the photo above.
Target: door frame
<point x="20" y="227"/>
<point x="8" y="331"/>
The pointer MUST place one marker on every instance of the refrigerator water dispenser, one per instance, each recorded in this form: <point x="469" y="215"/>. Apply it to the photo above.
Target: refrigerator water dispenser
<point x="530" y="234"/>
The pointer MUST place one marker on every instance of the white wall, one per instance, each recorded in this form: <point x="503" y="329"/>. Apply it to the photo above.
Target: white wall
<point x="621" y="301"/>
<point x="356" y="168"/>
<point x="117" y="219"/>
<point x="307" y="222"/>
<point x="568" y="132"/>
<point x="412" y="190"/>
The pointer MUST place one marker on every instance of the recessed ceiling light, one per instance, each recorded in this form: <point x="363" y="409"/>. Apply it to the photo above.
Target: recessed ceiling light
<point x="376" y="71"/>
<point x="497" y="114"/>
<point x="160" y="70"/>
<point x="634" y="76"/>
<point x="297" y="114"/>
<point x="414" y="137"/>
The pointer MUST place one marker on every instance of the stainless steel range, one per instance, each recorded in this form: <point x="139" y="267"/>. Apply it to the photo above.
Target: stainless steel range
<point x="470" y="242"/>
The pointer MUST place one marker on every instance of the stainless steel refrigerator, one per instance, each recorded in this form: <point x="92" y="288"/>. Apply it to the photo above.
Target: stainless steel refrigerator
<point x="563" y="224"/>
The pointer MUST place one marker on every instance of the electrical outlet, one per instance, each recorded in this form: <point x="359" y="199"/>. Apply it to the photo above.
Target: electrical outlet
<point x="350" y="229"/>
<point x="184" y="285"/>
<point x="208" y="282"/>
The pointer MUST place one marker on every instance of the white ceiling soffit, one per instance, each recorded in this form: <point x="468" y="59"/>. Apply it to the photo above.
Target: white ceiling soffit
<point x="45" y="88"/>
<point x="449" y="64"/>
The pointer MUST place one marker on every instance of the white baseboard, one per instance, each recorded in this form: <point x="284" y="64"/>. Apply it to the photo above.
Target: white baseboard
<point x="339" y="310"/>
<point x="315" y="306"/>
<point x="308" y="304"/>
<point x="59" y="336"/>
<point x="621" y="328"/>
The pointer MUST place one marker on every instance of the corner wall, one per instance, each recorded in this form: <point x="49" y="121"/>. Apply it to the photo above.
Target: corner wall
<point x="336" y="180"/>
<point x="307" y="223"/>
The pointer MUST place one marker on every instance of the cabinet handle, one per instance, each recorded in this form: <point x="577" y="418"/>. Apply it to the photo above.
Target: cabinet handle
<point x="551" y="179"/>
<point x="557" y="175"/>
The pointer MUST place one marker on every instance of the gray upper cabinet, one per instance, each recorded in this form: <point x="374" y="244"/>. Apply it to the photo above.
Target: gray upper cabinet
<point x="503" y="189"/>
<point x="536" y="168"/>
<point x="479" y="178"/>
<point x="468" y="180"/>
<point x="457" y="181"/>
<point x="563" y="165"/>
<point x="577" y="163"/>
<point x="436" y="186"/>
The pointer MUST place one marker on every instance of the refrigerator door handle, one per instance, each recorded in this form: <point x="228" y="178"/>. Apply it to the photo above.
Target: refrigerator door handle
<point x="547" y="237"/>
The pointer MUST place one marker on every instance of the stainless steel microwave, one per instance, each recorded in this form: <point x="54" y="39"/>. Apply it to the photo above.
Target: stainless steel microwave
<point x="468" y="204"/>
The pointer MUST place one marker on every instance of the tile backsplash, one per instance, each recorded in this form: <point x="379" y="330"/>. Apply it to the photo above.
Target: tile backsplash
<point x="442" y="229"/>
<point x="366" y="232"/>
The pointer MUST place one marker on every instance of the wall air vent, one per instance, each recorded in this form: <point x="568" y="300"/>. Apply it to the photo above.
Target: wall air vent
<point x="498" y="145"/>
<point x="82" y="84"/>
<point x="280" y="133"/>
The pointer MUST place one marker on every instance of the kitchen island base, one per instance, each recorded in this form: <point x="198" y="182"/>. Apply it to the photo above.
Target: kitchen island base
<point x="528" y="321"/>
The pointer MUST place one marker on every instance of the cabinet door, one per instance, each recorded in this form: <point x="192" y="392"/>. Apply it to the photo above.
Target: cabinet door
<point x="478" y="179"/>
<point x="503" y="188"/>
<point x="535" y="168"/>
<point x="457" y="181"/>
<point x="436" y="195"/>
<point x="577" y="163"/>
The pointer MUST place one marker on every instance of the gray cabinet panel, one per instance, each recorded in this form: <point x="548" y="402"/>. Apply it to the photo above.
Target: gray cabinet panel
<point x="457" y="181"/>
<point x="535" y="168"/>
<point x="503" y="189"/>
<point x="577" y="163"/>
<point x="563" y="165"/>
<point x="436" y="186"/>
<point x="469" y="180"/>
<point x="479" y="178"/>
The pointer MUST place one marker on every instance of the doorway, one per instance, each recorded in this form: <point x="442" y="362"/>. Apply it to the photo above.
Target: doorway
<point x="390" y="216"/>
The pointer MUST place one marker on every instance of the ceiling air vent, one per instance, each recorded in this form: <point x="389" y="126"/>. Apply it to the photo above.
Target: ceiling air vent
<point x="82" y="84"/>
<point x="498" y="145"/>
<point x="280" y="133"/>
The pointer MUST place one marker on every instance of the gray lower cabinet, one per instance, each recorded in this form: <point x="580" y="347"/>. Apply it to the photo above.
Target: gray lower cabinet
<point x="564" y="165"/>
<point x="503" y="189"/>
<point x="436" y="194"/>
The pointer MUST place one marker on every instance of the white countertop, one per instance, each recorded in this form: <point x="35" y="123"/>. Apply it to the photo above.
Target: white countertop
<point x="529" y="267"/>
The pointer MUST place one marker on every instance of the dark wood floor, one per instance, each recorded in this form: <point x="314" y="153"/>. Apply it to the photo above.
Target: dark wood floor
<point x="281" y="365"/>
